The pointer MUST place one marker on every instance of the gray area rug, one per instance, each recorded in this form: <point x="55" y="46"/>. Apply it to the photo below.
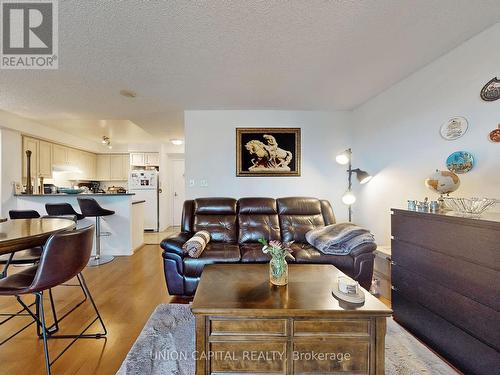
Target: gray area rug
<point x="166" y="346"/>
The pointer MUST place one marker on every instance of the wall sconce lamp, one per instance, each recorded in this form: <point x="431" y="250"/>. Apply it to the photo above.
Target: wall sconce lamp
<point x="363" y="177"/>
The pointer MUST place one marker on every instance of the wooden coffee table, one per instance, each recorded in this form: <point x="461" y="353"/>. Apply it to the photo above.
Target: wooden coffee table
<point x="246" y="325"/>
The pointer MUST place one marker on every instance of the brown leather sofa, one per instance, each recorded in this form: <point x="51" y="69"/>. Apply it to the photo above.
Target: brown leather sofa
<point x="235" y="227"/>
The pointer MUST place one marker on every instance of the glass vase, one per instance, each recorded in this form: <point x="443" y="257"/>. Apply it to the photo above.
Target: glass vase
<point x="278" y="271"/>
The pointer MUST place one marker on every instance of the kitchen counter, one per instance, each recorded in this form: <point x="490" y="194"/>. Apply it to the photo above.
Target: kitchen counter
<point x="70" y="195"/>
<point x="126" y="233"/>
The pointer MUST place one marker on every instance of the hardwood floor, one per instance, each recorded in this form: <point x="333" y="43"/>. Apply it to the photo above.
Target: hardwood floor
<point x="126" y="292"/>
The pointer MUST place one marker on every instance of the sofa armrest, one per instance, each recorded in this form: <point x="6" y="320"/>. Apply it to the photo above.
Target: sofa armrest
<point x="173" y="244"/>
<point x="363" y="249"/>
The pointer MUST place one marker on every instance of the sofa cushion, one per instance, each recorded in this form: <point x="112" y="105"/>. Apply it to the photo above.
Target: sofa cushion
<point x="218" y="217"/>
<point x="215" y="206"/>
<point x="214" y="253"/>
<point x="297" y="216"/>
<point x="258" y="218"/>
<point x="252" y="253"/>
<point x="305" y="253"/>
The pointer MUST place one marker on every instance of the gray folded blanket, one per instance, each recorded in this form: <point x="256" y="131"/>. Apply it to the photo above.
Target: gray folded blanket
<point x="338" y="239"/>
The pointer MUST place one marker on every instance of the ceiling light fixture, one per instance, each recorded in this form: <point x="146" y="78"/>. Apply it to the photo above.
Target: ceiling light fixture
<point x="128" y="93"/>
<point x="177" y="142"/>
<point x="106" y="141"/>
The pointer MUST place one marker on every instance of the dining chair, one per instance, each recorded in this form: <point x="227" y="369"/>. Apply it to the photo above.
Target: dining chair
<point x="65" y="255"/>
<point x="23" y="257"/>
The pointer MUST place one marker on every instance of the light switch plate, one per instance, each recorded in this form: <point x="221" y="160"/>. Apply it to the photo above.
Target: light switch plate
<point x="203" y="183"/>
<point x="192" y="183"/>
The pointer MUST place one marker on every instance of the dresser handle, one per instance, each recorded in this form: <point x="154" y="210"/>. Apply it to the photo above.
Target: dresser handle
<point x="394" y="288"/>
<point x="393" y="263"/>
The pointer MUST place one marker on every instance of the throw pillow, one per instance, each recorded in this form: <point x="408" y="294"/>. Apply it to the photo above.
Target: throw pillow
<point x="196" y="244"/>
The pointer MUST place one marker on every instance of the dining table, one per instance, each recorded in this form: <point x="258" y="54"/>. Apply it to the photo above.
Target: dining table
<point x="21" y="234"/>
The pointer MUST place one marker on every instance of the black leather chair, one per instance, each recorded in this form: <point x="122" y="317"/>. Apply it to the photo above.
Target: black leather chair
<point x="23" y="257"/>
<point x="90" y="208"/>
<point x="59" y="209"/>
<point x="65" y="255"/>
<point x="23" y="214"/>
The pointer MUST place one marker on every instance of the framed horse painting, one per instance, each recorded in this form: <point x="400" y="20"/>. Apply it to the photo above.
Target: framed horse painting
<point x="267" y="152"/>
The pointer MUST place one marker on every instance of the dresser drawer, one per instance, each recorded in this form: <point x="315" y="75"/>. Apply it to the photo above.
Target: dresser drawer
<point x="471" y="241"/>
<point x="250" y="357"/>
<point x="331" y="327"/>
<point x="476" y="282"/>
<point x="349" y="356"/>
<point x="384" y="284"/>
<point x="382" y="265"/>
<point x="264" y="327"/>
<point x="477" y="319"/>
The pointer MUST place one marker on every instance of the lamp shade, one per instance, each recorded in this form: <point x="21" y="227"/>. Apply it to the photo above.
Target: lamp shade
<point x="363" y="177"/>
<point x="344" y="157"/>
<point x="348" y="198"/>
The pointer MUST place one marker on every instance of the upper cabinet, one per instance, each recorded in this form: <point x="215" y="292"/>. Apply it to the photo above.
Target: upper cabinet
<point x="89" y="166"/>
<point x="45" y="159"/>
<point x="59" y="155"/>
<point x="114" y="167"/>
<point x="145" y="159"/>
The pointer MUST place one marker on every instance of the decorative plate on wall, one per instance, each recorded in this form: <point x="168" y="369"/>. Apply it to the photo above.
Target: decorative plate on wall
<point x="460" y="162"/>
<point x="491" y="91"/>
<point x="454" y="128"/>
<point x="495" y="134"/>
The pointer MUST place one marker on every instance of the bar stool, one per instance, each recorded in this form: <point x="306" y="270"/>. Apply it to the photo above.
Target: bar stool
<point x="65" y="256"/>
<point x="90" y="208"/>
<point x="58" y="209"/>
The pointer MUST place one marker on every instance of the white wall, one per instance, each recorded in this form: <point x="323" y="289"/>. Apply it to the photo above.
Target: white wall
<point x="10" y="162"/>
<point x="211" y="155"/>
<point x="396" y="134"/>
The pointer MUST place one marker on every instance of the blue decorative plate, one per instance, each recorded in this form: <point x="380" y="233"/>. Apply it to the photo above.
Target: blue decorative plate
<point x="70" y="191"/>
<point x="460" y="162"/>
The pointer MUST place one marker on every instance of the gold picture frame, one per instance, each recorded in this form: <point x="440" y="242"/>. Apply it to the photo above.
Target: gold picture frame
<point x="268" y="152"/>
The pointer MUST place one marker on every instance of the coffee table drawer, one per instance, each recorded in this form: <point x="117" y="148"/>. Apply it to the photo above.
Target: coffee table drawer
<point x="264" y="327"/>
<point x="250" y="357"/>
<point x="331" y="327"/>
<point x="327" y="357"/>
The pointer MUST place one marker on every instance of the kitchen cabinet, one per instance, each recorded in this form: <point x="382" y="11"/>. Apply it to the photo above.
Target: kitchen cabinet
<point x="152" y="159"/>
<point x="145" y="159"/>
<point x="59" y="155"/>
<point x="137" y="159"/>
<point x="103" y="167"/>
<point x="88" y="165"/>
<point x="116" y="164"/>
<point x="45" y="159"/>
<point x="113" y="167"/>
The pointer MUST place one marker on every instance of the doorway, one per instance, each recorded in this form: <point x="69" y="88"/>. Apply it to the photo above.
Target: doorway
<point x="179" y="188"/>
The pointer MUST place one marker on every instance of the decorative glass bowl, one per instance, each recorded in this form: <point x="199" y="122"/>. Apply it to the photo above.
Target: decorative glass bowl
<point x="471" y="206"/>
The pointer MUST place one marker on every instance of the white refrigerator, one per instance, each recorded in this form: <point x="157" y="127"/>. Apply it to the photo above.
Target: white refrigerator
<point x="144" y="184"/>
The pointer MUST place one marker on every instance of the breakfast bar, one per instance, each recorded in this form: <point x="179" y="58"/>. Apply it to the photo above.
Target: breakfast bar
<point x="122" y="232"/>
